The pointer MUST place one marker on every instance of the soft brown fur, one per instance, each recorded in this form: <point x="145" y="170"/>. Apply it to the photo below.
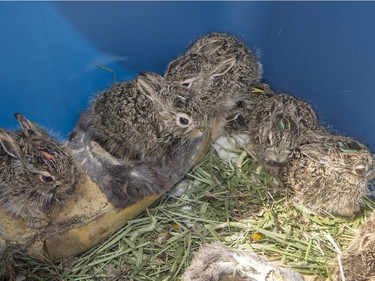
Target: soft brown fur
<point x="35" y="171"/>
<point x="358" y="259"/>
<point x="140" y="119"/>
<point x="274" y="124"/>
<point x="329" y="172"/>
<point x="220" y="69"/>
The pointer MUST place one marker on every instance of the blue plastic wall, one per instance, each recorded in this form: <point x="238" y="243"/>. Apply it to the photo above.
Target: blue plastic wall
<point x="52" y="55"/>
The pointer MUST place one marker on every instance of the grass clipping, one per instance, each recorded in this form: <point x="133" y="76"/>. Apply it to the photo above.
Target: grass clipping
<point x="239" y="204"/>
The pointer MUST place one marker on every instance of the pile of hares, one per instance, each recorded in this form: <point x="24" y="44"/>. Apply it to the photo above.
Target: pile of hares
<point x="150" y="124"/>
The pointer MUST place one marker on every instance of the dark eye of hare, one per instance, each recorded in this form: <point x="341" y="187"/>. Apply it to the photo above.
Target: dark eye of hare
<point x="186" y="84"/>
<point x="48" y="179"/>
<point x="183" y="120"/>
<point x="240" y="103"/>
<point x="360" y="171"/>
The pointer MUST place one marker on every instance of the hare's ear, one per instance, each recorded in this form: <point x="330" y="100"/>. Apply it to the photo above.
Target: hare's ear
<point x="223" y="66"/>
<point x="27" y="127"/>
<point x="313" y="151"/>
<point x="150" y="84"/>
<point x="9" y="144"/>
<point x="210" y="47"/>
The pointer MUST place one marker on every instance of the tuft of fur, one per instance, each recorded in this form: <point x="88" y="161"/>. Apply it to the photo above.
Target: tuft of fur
<point x="358" y="259"/>
<point x="329" y="172"/>
<point x="35" y="171"/>
<point x="217" y="262"/>
<point x="143" y="119"/>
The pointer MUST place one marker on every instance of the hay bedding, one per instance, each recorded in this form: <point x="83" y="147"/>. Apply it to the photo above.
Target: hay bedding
<point x="237" y="203"/>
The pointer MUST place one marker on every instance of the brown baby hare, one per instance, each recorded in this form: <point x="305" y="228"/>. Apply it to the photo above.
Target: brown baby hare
<point x="329" y="173"/>
<point x="35" y="170"/>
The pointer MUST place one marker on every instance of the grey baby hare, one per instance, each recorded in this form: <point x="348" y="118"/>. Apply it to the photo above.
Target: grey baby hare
<point x="219" y="67"/>
<point x="358" y="259"/>
<point x="35" y="171"/>
<point x="220" y="263"/>
<point x="143" y="119"/>
<point x="274" y="126"/>
<point x="330" y="173"/>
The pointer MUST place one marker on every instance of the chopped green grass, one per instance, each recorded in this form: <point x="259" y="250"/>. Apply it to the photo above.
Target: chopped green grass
<point x="239" y="204"/>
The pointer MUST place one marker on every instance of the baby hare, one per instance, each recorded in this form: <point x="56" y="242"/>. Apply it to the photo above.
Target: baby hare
<point x="358" y="260"/>
<point x="273" y="126"/>
<point x="330" y="173"/>
<point x="143" y="119"/>
<point x="220" y="263"/>
<point x="219" y="68"/>
<point x="35" y="171"/>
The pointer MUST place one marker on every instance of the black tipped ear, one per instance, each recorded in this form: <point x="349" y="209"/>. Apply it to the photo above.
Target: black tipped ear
<point x="150" y="84"/>
<point x="27" y="127"/>
<point x="9" y="144"/>
<point x="223" y="66"/>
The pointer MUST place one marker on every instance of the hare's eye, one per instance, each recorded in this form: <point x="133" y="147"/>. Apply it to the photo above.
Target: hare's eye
<point x="188" y="82"/>
<point x="183" y="120"/>
<point x="240" y="103"/>
<point x="46" y="178"/>
<point x="360" y="170"/>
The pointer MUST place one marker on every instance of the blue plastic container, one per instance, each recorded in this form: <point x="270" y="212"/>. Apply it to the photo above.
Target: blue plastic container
<point x="54" y="55"/>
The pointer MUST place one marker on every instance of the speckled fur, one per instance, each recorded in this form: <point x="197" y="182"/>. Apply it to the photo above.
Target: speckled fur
<point x="35" y="171"/>
<point x="216" y="262"/>
<point x="330" y="173"/>
<point x="219" y="68"/>
<point x="137" y="120"/>
<point x="275" y="125"/>
<point x="358" y="259"/>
